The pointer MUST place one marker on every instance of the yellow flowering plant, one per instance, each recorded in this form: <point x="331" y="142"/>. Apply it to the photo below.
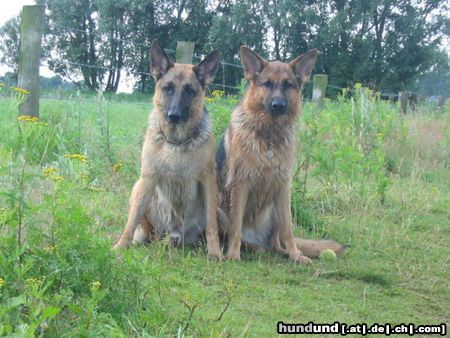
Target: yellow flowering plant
<point x="19" y="95"/>
<point x="118" y="166"/>
<point x="79" y="157"/>
<point x="37" y="138"/>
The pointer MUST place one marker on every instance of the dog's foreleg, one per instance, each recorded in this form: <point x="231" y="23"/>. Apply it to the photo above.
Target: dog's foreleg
<point x="238" y="201"/>
<point x="286" y="234"/>
<point x="275" y="244"/>
<point x="212" y="228"/>
<point x="141" y="195"/>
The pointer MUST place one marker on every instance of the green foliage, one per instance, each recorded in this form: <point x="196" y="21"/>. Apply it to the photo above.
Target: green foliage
<point x="343" y="145"/>
<point x="219" y="107"/>
<point x="9" y="48"/>
<point x="383" y="44"/>
<point x="365" y="176"/>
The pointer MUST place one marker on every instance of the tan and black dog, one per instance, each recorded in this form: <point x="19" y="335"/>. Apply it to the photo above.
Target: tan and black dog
<point x="176" y="193"/>
<point x="256" y="157"/>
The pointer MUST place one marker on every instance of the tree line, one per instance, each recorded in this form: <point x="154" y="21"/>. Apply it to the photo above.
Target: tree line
<point x="384" y="44"/>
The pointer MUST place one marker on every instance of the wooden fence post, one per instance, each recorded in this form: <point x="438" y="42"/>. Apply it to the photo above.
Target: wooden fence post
<point x="185" y="52"/>
<point x="403" y="99"/>
<point x="320" y="82"/>
<point x="31" y="26"/>
<point x="408" y="102"/>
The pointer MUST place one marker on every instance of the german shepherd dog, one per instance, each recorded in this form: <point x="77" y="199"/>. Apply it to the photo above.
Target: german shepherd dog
<point x="256" y="157"/>
<point x="176" y="193"/>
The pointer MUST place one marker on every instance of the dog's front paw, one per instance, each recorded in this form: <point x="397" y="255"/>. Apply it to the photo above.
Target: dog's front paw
<point x="215" y="256"/>
<point x="214" y="253"/>
<point x="234" y="256"/>
<point x="122" y="243"/>
<point x="301" y="259"/>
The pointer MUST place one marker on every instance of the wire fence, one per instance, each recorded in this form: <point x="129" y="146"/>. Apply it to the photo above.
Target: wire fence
<point x="135" y="73"/>
<point x="81" y="65"/>
<point x="224" y="64"/>
<point x="147" y="45"/>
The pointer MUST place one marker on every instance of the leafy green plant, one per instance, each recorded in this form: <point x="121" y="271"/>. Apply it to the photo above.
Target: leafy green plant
<point x="354" y="154"/>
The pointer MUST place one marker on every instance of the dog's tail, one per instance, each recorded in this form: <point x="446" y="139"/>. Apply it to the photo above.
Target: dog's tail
<point x="313" y="248"/>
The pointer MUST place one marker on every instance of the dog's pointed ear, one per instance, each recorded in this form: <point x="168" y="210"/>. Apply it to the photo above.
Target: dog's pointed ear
<point x="304" y="65"/>
<point x="252" y="62"/>
<point x="159" y="61"/>
<point x="207" y="68"/>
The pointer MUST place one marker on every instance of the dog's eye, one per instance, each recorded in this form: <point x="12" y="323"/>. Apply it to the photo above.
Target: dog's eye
<point x="268" y="84"/>
<point x="189" y="90"/>
<point x="287" y="85"/>
<point x="169" y="88"/>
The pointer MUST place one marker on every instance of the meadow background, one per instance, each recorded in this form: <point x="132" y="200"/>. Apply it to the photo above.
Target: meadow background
<point x="365" y="176"/>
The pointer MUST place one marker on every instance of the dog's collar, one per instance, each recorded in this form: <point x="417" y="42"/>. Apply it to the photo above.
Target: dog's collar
<point x="176" y="143"/>
<point x="189" y="139"/>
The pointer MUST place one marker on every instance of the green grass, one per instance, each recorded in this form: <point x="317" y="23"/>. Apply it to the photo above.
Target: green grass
<point x="365" y="176"/>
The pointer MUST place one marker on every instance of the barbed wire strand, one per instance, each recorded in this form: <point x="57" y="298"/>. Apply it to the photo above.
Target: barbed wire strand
<point x="136" y="72"/>
<point x="138" y="43"/>
<point x="212" y="84"/>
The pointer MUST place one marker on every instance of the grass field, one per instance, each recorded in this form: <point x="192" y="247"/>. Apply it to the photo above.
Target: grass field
<point x="365" y="176"/>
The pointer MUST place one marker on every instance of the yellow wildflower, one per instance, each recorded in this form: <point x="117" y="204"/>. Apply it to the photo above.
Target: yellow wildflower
<point x="35" y="280"/>
<point x="49" y="171"/>
<point x="50" y="248"/>
<point x="31" y="280"/>
<point x="118" y="165"/>
<point x="79" y="157"/>
<point x="20" y="90"/>
<point x="95" y="285"/>
<point x="209" y="99"/>
<point x="217" y="94"/>
<point x="27" y="118"/>
<point x="358" y="85"/>
<point x="2" y="282"/>
<point x="2" y="85"/>
<point x="55" y="178"/>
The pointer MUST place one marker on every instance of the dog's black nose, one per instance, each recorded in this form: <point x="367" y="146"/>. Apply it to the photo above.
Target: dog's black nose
<point x="174" y="116"/>
<point x="278" y="105"/>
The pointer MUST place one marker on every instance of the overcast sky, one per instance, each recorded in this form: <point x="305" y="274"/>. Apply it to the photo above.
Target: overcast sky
<point x="10" y="9"/>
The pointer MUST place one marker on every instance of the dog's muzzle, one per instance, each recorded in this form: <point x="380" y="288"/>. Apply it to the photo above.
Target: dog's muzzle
<point x="278" y="106"/>
<point x="174" y="116"/>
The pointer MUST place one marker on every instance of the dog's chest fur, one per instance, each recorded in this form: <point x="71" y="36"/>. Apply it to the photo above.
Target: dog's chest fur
<point x="177" y="162"/>
<point x="178" y="204"/>
<point x="261" y="158"/>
